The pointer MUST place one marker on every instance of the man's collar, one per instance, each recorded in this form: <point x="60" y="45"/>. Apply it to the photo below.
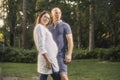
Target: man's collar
<point x="59" y="21"/>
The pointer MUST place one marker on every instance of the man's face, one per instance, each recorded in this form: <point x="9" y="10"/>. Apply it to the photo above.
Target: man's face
<point x="56" y="14"/>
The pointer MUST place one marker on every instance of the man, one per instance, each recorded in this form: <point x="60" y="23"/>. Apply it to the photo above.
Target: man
<point x="62" y="35"/>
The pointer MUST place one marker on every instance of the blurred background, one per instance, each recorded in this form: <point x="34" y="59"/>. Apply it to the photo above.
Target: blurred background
<point x="96" y="31"/>
<point x="95" y="24"/>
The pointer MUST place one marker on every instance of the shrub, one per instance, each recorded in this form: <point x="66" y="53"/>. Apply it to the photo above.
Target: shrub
<point x="18" y="55"/>
<point x="83" y="54"/>
<point x="8" y="54"/>
<point x="111" y="54"/>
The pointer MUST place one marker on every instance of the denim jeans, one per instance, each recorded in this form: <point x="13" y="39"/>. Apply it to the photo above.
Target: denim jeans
<point x="55" y="76"/>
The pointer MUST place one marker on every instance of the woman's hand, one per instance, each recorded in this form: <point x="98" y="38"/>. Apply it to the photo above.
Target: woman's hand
<point x="48" y="64"/>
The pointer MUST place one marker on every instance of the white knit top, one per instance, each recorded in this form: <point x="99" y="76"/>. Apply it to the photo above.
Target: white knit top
<point x="45" y="45"/>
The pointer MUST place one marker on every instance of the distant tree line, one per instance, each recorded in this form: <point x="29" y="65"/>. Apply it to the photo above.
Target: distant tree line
<point x="94" y="23"/>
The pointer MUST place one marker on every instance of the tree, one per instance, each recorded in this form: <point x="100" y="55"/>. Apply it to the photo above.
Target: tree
<point x="24" y="23"/>
<point x="91" y="25"/>
<point x="114" y="22"/>
<point x="78" y="25"/>
<point x="12" y="19"/>
<point x="28" y="22"/>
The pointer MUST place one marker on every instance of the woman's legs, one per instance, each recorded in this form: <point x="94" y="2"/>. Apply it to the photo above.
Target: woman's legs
<point x="43" y="77"/>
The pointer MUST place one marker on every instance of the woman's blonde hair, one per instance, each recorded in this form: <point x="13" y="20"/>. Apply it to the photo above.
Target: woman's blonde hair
<point x="38" y="20"/>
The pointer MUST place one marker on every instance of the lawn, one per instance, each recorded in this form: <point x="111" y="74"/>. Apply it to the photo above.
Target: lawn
<point x="78" y="70"/>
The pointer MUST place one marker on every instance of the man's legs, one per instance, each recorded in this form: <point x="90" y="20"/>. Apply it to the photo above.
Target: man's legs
<point x="64" y="76"/>
<point x="56" y="76"/>
<point x="63" y="67"/>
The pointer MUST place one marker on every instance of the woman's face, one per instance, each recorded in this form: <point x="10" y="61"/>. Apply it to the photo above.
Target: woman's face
<point x="45" y="19"/>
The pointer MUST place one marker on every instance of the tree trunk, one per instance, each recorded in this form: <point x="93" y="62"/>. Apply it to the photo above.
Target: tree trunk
<point x="91" y="25"/>
<point x="12" y="20"/>
<point x="78" y="26"/>
<point x="24" y="24"/>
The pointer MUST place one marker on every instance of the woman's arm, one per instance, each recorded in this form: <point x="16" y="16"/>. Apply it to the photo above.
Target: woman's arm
<point x="48" y="62"/>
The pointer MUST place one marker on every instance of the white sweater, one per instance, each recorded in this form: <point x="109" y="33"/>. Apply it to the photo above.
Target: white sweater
<point x="45" y="45"/>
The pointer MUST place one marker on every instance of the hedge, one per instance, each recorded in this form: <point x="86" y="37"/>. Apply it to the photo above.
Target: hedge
<point x="8" y="54"/>
<point x="18" y="55"/>
<point x="111" y="54"/>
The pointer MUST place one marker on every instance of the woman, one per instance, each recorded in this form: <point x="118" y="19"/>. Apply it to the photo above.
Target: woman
<point x="46" y="47"/>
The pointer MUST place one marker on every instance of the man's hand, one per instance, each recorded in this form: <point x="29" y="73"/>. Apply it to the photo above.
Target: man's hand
<point x="68" y="58"/>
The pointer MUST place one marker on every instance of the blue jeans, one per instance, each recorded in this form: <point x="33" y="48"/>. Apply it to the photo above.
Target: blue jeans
<point x="55" y="76"/>
<point x="43" y="77"/>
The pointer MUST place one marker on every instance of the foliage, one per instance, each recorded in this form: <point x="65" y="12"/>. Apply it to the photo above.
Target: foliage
<point x="30" y="56"/>
<point x="17" y="55"/>
<point x="84" y="54"/>
<point x="107" y="23"/>
<point x="1" y="37"/>
<point x="107" y="20"/>
<point x="112" y="54"/>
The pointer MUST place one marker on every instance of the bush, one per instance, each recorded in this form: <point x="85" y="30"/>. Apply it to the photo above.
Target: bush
<point x="111" y="54"/>
<point x="84" y="54"/>
<point x="18" y="55"/>
<point x="8" y="54"/>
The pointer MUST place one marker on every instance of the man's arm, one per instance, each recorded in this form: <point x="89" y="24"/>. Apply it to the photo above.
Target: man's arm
<point x="70" y="47"/>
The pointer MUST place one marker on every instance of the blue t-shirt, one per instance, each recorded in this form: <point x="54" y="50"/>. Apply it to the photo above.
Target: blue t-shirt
<point x="59" y="35"/>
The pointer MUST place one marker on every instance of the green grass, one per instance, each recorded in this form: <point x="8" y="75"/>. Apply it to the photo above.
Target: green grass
<point x="94" y="70"/>
<point x="24" y="71"/>
<point x="78" y="70"/>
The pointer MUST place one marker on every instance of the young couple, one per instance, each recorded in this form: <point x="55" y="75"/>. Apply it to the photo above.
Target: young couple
<point x="51" y="41"/>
